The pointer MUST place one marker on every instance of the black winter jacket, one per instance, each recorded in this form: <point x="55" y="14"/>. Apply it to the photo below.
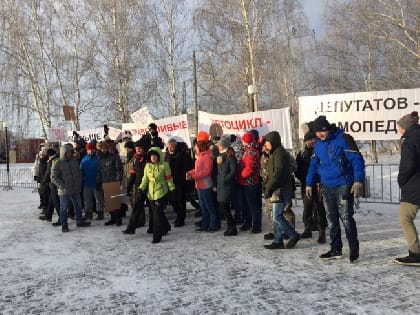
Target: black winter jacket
<point x="409" y="173"/>
<point x="279" y="174"/>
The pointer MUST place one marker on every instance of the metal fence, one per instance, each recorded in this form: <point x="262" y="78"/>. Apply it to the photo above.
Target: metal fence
<point x="18" y="177"/>
<point x="381" y="182"/>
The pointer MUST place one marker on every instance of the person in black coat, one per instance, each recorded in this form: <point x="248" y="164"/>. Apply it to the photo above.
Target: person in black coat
<point x="137" y="218"/>
<point x="313" y="208"/>
<point x="226" y="184"/>
<point x="409" y="182"/>
<point x="152" y="137"/>
<point x="180" y="162"/>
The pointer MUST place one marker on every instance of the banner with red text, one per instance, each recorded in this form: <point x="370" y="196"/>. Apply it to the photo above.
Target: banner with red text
<point x="365" y="115"/>
<point x="169" y="127"/>
<point x="263" y="121"/>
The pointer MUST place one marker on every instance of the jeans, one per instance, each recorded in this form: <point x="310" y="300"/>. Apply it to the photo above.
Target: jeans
<point x="279" y="221"/>
<point x="251" y="210"/>
<point x="339" y="205"/>
<point x="77" y="204"/>
<point x="208" y="210"/>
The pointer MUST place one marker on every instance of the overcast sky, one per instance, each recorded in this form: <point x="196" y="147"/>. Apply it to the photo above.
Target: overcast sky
<point x="313" y="10"/>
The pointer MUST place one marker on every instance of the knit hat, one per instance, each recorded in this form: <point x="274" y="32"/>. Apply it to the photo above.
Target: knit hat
<point x="203" y="136"/>
<point x="255" y="133"/>
<point x="129" y="144"/>
<point x="321" y="124"/>
<point x="308" y="136"/>
<point x="248" y="137"/>
<point x="90" y="146"/>
<point x="408" y="120"/>
<point x="68" y="147"/>
<point x="224" y="141"/>
<point x="51" y="152"/>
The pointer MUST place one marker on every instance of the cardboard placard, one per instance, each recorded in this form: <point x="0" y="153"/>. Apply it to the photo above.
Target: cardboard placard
<point x="112" y="189"/>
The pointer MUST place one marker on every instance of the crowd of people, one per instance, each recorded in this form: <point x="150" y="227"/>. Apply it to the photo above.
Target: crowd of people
<point x="230" y="176"/>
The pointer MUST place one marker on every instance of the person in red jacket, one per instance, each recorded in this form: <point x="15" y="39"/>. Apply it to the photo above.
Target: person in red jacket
<point x="248" y="179"/>
<point x="202" y="175"/>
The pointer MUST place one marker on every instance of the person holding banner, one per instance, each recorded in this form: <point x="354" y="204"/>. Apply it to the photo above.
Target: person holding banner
<point x="152" y="137"/>
<point x="409" y="182"/>
<point x="341" y="167"/>
<point x="110" y="170"/>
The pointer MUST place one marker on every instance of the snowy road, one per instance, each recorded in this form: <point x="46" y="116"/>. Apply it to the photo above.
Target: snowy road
<point x="99" y="270"/>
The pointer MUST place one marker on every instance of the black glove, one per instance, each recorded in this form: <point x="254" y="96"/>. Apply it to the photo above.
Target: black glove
<point x="141" y="194"/>
<point x="99" y="187"/>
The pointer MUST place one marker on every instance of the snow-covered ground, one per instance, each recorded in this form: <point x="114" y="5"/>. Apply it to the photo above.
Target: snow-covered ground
<point x="100" y="270"/>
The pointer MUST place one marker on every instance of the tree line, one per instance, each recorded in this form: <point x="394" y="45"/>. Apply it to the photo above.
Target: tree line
<point x="108" y="58"/>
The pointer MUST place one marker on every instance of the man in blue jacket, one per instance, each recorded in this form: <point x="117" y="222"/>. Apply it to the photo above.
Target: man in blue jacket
<point x="91" y="192"/>
<point x="341" y="167"/>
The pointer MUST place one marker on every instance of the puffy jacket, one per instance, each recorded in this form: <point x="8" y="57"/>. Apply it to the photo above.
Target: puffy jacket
<point x="202" y="173"/>
<point x="249" y="166"/>
<point x="157" y="178"/>
<point x="67" y="176"/>
<point x="409" y="172"/>
<point x="337" y="161"/>
<point x="89" y="167"/>
<point x="279" y="174"/>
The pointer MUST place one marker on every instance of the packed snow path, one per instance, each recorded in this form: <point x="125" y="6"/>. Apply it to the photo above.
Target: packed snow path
<point x="102" y="271"/>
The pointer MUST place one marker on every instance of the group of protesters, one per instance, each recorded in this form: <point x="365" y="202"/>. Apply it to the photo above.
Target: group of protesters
<point x="230" y="175"/>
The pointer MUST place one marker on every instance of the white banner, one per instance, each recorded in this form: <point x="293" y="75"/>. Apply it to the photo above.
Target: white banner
<point x="142" y="116"/>
<point x="58" y="134"/>
<point x="169" y="127"/>
<point x="365" y="115"/>
<point x="96" y="133"/>
<point x="263" y="121"/>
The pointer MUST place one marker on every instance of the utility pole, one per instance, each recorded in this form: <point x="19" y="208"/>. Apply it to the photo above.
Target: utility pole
<point x="195" y="90"/>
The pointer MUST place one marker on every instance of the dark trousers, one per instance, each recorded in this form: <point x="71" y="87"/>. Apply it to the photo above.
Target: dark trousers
<point x="179" y="204"/>
<point x="137" y="218"/>
<point x="314" y="208"/>
<point x="53" y="202"/>
<point x="161" y="225"/>
<point x="44" y="193"/>
<point x="224" y="207"/>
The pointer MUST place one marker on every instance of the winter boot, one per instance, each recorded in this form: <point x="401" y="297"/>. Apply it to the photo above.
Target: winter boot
<point x="231" y="231"/>
<point x="321" y="238"/>
<point x="413" y="259"/>
<point x="88" y="216"/>
<point x="269" y="236"/>
<point x="45" y="217"/>
<point x="100" y="216"/>
<point x="306" y="234"/>
<point x="274" y="245"/>
<point x="65" y="228"/>
<point x="57" y="223"/>
<point x="354" y="254"/>
<point x="332" y="254"/>
<point x="292" y="242"/>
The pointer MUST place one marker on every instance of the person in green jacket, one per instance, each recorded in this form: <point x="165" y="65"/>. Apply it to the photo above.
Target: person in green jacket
<point x="157" y="180"/>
